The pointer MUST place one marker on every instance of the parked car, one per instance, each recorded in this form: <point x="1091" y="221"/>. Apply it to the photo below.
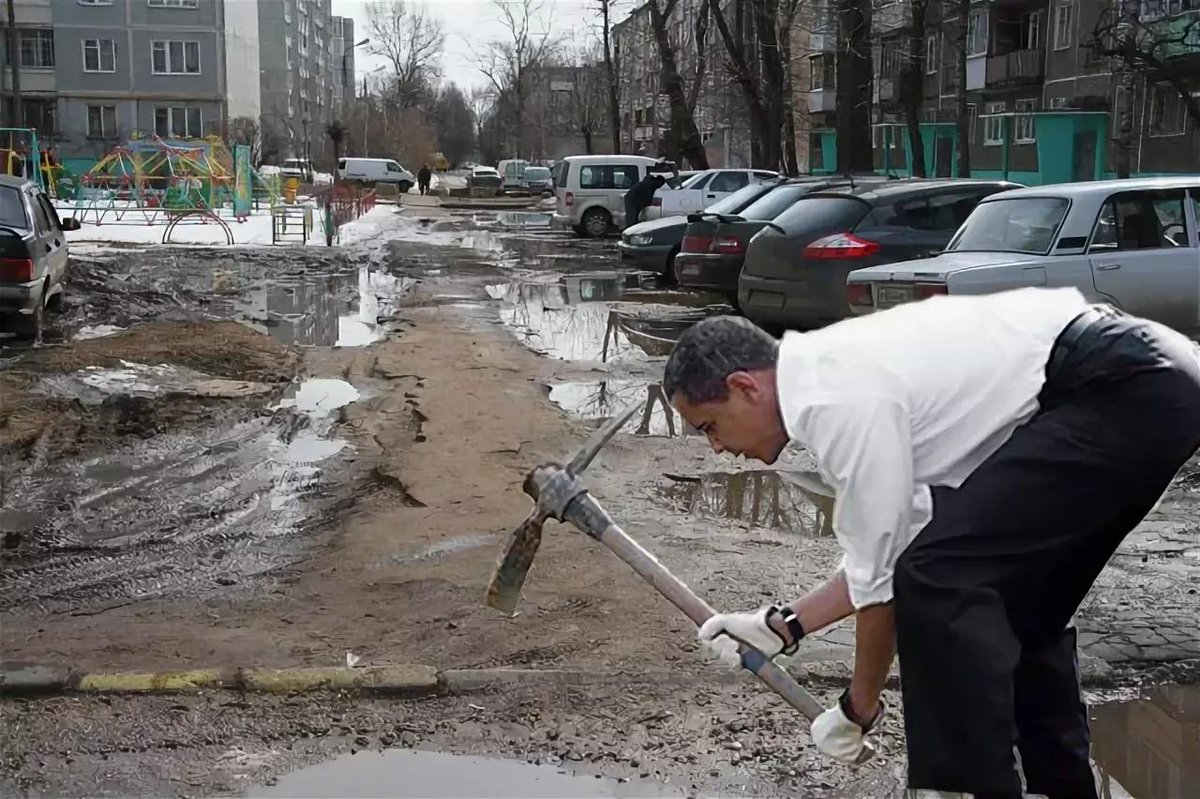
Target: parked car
<point x="486" y="178"/>
<point x="701" y="190"/>
<point x="714" y="245"/>
<point x="538" y="178"/>
<point x="33" y="252"/>
<point x="653" y="245"/>
<point x="376" y="170"/>
<point x="590" y="190"/>
<point x="1134" y="243"/>
<point x="512" y="173"/>
<point x="796" y="267"/>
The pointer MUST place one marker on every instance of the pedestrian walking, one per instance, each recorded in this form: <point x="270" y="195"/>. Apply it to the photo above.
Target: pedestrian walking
<point x="423" y="178"/>
<point x="989" y="455"/>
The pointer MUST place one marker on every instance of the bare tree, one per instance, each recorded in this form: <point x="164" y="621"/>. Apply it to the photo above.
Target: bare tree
<point x="854" y="76"/>
<point x="683" y="135"/>
<point x="960" y="26"/>
<point x="912" y="86"/>
<point x="412" y="41"/>
<point x="1144" y="46"/>
<point x="588" y="103"/>
<point x="511" y="63"/>
<point x="610" y="74"/>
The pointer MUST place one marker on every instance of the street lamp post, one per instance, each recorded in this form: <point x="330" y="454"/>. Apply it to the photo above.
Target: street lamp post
<point x="307" y="164"/>
<point x="348" y="85"/>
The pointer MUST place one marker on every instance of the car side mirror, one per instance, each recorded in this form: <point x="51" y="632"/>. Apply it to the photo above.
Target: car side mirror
<point x="70" y="223"/>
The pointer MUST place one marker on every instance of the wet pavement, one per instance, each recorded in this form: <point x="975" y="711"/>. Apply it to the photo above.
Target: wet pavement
<point x="1148" y="747"/>
<point x="757" y="498"/>
<point x="408" y="774"/>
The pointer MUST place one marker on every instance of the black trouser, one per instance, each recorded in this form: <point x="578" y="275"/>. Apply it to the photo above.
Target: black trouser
<point x="985" y="593"/>
<point x="633" y="210"/>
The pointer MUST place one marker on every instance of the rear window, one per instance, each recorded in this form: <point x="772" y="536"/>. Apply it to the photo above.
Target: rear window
<point x="536" y="173"/>
<point x="12" y="210"/>
<point x="738" y="200"/>
<point x="1020" y="224"/>
<point x="775" y="203"/>
<point x="822" y="213"/>
<point x="607" y="176"/>
<point x="560" y="173"/>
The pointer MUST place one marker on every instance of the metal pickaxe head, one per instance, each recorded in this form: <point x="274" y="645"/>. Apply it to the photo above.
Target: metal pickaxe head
<point x="551" y="486"/>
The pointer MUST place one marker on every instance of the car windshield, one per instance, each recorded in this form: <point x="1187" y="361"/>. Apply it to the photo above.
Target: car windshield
<point x="740" y="199"/>
<point x="693" y="180"/>
<point x="12" y="210"/>
<point x="776" y="202"/>
<point x="536" y="173"/>
<point x="1017" y="224"/>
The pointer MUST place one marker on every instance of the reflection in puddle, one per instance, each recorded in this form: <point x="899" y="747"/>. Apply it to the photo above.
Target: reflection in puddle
<point x="448" y="546"/>
<point x="602" y="317"/>
<point x="1150" y="747"/>
<point x="760" y="498"/>
<point x="600" y="400"/>
<point x="405" y="773"/>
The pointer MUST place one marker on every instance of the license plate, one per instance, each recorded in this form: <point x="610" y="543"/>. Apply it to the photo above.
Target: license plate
<point x="887" y="296"/>
<point x="691" y="270"/>
<point x="766" y="299"/>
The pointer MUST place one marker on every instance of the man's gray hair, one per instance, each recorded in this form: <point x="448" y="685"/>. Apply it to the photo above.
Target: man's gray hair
<point x="710" y="351"/>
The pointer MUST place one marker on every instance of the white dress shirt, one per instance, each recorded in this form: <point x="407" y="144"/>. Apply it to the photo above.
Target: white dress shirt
<point x="916" y="396"/>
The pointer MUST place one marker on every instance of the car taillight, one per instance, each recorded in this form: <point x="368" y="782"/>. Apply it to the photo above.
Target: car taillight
<point x="841" y="246"/>
<point x="570" y="199"/>
<point x="16" y="270"/>
<point x="859" y="295"/>
<point x="696" y="243"/>
<point x="924" y="291"/>
<point x="729" y="245"/>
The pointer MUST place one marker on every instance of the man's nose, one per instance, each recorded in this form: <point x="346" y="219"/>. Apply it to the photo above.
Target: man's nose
<point x="715" y="443"/>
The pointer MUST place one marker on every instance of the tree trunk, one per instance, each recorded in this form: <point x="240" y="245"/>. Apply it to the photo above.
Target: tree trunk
<point x="964" y="115"/>
<point x="766" y="22"/>
<point x="739" y="64"/>
<point x="586" y="130"/>
<point x="14" y="58"/>
<point x="791" y="161"/>
<point x="854" y="74"/>
<point x="913" y="89"/>
<point x="610" y="72"/>
<point x="683" y="125"/>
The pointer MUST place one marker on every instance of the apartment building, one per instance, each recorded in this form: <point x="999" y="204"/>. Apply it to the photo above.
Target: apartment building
<point x="342" y="62"/>
<point x="1043" y="106"/>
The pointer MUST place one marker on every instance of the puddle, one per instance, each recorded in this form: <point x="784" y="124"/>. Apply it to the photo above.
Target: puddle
<point x="1149" y="747"/>
<point x="97" y="331"/>
<point x="448" y="546"/>
<point x="601" y="400"/>
<point x="408" y="774"/>
<point x="525" y="220"/>
<point x="760" y="498"/>
<point x="94" y="384"/>
<point x="602" y="317"/>
<point x="318" y="397"/>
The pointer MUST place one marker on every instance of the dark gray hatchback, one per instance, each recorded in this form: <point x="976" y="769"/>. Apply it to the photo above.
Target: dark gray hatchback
<point x="795" y="269"/>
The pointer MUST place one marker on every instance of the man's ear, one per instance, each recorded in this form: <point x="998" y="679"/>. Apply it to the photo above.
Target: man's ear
<point x="742" y="382"/>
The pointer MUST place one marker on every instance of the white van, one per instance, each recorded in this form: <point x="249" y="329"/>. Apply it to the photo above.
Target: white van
<point x="512" y="173"/>
<point x="590" y="190"/>
<point x="376" y="170"/>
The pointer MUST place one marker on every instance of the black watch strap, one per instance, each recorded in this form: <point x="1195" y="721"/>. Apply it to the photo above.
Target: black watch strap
<point x="794" y="627"/>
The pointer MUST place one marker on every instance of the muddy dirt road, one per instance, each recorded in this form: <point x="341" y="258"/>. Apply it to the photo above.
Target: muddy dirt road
<point x="277" y="457"/>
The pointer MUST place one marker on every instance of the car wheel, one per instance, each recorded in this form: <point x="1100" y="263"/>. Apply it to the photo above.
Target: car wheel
<point x="404" y="186"/>
<point x="596" y="222"/>
<point x="671" y="275"/>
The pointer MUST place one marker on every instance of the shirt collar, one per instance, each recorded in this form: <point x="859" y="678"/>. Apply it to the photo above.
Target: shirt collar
<point x="790" y="371"/>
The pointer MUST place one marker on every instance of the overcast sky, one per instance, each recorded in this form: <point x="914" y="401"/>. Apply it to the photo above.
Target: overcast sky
<point x="468" y="22"/>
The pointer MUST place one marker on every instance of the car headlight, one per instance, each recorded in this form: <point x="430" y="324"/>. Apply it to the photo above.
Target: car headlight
<point x="641" y="241"/>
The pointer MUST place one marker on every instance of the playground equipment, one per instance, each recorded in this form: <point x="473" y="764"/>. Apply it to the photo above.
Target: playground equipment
<point x="21" y="154"/>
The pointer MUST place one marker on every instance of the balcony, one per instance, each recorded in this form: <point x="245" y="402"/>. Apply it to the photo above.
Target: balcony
<point x="887" y="90"/>
<point x="1019" y="66"/>
<point x="821" y="100"/>
<point x="891" y="17"/>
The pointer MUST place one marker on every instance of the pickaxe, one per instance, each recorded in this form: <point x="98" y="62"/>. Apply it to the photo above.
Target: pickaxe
<point x="559" y="494"/>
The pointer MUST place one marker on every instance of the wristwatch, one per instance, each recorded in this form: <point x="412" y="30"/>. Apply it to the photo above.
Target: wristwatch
<point x="794" y="627"/>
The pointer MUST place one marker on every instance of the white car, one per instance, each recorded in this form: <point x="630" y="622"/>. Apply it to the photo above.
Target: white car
<point x="702" y="190"/>
<point x="299" y="168"/>
<point x="376" y="170"/>
<point x="589" y="190"/>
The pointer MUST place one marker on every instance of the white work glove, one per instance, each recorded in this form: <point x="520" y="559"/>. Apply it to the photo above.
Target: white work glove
<point x="841" y="737"/>
<point x="721" y="634"/>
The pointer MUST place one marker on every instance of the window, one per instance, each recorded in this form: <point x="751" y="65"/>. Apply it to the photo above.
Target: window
<point x="1167" y="114"/>
<point x="977" y="33"/>
<point x="728" y="181"/>
<point x="175" y="58"/>
<point x="889" y="59"/>
<point x="993" y="126"/>
<point x="594" y="176"/>
<point x="1063" y="23"/>
<point x="1023" y="124"/>
<point x="1059" y="103"/>
<point x="42" y="115"/>
<point x="12" y="208"/>
<point x="1141" y="220"/>
<point x="99" y="55"/>
<point x="172" y="3"/>
<point x="40" y="200"/>
<point x="37" y="48"/>
<point x="944" y="212"/>
<point x="102" y="121"/>
<point x="392" y="166"/>
<point x="973" y="123"/>
<point x="1031" y="31"/>
<point x="177" y="121"/>
<point x="41" y="218"/>
<point x="95" y="2"/>
<point x="932" y="53"/>
<point x="1027" y="225"/>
